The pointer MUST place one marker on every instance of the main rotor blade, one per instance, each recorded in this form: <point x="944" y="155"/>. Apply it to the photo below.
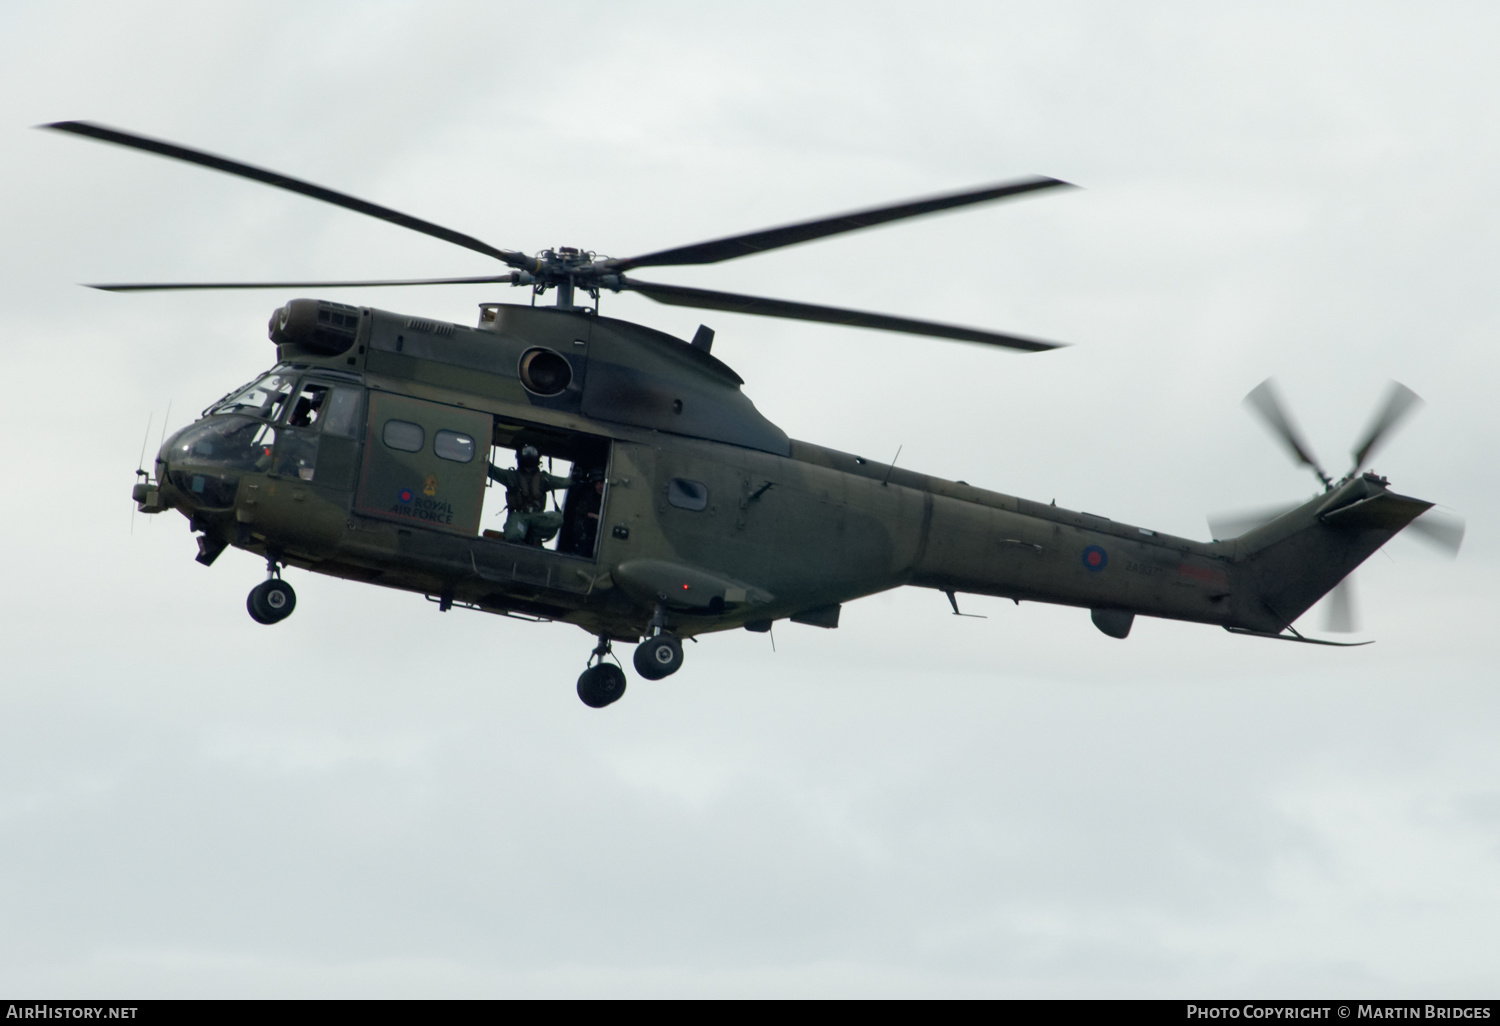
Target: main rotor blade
<point x="1399" y="401"/>
<point x="104" y="133"/>
<point x="182" y="286"/>
<point x="732" y="246"/>
<point x="1341" y="612"/>
<point x="1264" y="400"/>
<point x="1443" y="531"/>
<point x="704" y="299"/>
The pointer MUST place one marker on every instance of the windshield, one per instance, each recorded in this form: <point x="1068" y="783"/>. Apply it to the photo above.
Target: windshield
<point x="263" y="398"/>
<point x="237" y="442"/>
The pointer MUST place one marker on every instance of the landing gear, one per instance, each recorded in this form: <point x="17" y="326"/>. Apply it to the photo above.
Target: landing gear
<point x="658" y="656"/>
<point x="272" y="600"/>
<point x="602" y="683"/>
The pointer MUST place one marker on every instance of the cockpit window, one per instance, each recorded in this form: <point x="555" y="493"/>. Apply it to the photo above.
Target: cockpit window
<point x="263" y="398"/>
<point x="341" y="412"/>
<point x="234" y="442"/>
<point x="308" y="408"/>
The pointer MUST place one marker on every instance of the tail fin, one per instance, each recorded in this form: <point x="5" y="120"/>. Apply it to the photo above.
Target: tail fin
<point x="1288" y="564"/>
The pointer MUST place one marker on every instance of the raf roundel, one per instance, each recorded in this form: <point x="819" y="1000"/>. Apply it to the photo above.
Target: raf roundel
<point x="406" y="495"/>
<point x="1095" y="559"/>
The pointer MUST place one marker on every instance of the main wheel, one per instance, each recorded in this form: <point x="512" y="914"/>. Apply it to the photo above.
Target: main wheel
<point x="271" y="601"/>
<point x="658" y="657"/>
<point x="600" y="685"/>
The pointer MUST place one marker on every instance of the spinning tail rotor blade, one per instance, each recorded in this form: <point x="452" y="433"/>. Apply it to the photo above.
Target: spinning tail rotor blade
<point x="706" y="299"/>
<point x="1223" y="526"/>
<point x="1442" y="531"/>
<point x="732" y="246"/>
<point x="1341" y="612"/>
<point x="161" y="147"/>
<point x="1399" y="401"/>
<point x="1264" y="400"/>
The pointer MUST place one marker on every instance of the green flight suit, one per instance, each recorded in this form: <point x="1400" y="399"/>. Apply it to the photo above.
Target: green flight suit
<point x="527" y="517"/>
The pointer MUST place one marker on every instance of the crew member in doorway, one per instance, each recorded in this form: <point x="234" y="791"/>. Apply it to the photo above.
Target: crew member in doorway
<point x="527" y="517"/>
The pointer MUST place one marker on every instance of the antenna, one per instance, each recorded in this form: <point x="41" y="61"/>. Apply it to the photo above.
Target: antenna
<point x="139" y="470"/>
<point x="141" y="459"/>
<point x="953" y="601"/>
<point x="891" y="467"/>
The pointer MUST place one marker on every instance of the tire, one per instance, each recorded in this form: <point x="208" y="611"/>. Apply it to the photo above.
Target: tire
<point x="601" y="685"/>
<point x="271" y="601"/>
<point x="253" y="606"/>
<point x="658" y="657"/>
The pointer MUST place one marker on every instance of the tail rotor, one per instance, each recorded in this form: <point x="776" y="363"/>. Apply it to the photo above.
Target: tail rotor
<point x="1340" y="613"/>
<point x="1442" y="531"/>
<point x="1265" y="400"/>
<point x="1399" y="401"/>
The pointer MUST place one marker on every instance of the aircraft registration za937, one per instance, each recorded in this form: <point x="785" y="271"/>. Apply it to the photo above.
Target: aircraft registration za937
<point x="669" y="507"/>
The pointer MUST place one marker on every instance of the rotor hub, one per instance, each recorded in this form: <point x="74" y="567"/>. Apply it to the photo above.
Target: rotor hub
<point x="567" y="268"/>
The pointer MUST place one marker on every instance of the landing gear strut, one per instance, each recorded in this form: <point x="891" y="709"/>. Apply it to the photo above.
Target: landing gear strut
<point x="272" y="600"/>
<point x="660" y="655"/>
<point x="602" y="683"/>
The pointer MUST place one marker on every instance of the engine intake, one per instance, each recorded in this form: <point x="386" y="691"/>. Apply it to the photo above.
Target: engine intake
<point x="545" y="372"/>
<point x="316" y="325"/>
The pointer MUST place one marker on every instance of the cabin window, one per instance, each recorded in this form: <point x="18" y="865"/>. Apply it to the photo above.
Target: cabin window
<point x="450" y="445"/>
<point x="403" y="435"/>
<point x="689" y="495"/>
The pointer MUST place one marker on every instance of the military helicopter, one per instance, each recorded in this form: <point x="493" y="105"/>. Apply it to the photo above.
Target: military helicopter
<point x="365" y="453"/>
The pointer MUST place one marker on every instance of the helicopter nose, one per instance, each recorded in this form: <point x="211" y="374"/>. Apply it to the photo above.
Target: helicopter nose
<point x="147" y="491"/>
<point x="199" y="467"/>
<point x="147" y="496"/>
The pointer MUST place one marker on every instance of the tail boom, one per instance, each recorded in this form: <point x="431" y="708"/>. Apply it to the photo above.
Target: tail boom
<point x="1259" y="582"/>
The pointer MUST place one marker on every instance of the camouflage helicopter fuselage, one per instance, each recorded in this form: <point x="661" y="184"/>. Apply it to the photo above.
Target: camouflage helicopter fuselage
<point x="711" y="518"/>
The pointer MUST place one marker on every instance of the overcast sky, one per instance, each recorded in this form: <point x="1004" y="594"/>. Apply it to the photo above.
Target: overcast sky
<point x="376" y="799"/>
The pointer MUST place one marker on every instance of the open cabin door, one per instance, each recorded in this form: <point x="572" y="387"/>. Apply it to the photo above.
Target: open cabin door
<point x="424" y="463"/>
<point x="576" y="466"/>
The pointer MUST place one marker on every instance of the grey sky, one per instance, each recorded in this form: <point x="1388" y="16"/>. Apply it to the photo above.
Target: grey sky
<point x="376" y="799"/>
